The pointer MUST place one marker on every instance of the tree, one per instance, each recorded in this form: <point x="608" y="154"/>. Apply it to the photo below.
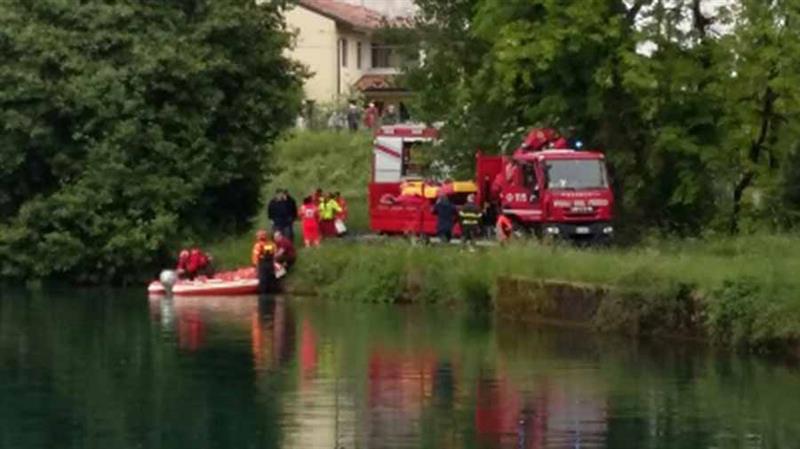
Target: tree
<point x="694" y="102"/>
<point x="763" y="100"/>
<point x="128" y="126"/>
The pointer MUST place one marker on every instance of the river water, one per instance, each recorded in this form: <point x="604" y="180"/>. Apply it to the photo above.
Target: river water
<point x="110" y="369"/>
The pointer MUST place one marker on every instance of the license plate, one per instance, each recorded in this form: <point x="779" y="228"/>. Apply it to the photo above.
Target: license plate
<point x="582" y="230"/>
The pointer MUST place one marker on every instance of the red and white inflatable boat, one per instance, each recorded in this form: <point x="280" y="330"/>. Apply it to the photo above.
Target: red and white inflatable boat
<point x="243" y="281"/>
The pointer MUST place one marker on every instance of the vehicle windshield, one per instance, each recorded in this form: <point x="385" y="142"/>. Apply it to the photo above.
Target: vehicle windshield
<point x="576" y="174"/>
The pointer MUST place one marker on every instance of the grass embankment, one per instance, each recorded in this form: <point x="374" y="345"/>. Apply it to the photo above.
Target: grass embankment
<point x="746" y="289"/>
<point x="303" y="161"/>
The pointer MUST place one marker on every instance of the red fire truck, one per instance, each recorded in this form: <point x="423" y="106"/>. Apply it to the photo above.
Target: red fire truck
<point x="543" y="187"/>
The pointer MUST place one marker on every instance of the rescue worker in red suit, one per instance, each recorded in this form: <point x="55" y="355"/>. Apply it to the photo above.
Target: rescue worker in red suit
<point x="504" y="228"/>
<point x="199" y="264"/>
<point x="309" y="216"/>
<point x="193" y="263"/>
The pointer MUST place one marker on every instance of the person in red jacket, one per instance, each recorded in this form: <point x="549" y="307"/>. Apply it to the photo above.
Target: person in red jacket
<point x="505" y="228"/>
<point x="199" y="264"/>
<point x="285" y="254"/>
<point x="309" y="216"/>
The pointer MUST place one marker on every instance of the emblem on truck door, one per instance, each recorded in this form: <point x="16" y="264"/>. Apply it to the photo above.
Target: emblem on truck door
<point x="519" y="197"/>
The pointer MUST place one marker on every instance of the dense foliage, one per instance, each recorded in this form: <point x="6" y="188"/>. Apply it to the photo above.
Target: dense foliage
<point x="695" y="102"/>
<point x="126" y="126"/>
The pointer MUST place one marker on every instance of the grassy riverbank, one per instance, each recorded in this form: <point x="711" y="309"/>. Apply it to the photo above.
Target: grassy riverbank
<point x="746" y="288"/>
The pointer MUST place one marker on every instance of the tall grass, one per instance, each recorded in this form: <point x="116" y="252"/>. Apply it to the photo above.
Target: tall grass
<point x="748" y="288"/>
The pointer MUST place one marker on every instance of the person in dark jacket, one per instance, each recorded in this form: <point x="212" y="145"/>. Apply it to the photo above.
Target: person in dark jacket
<point x="292" y="206"/>
<point x="445" y="213"/>
<point x="279" y="212"/>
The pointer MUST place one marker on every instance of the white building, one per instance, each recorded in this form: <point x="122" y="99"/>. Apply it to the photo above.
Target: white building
<point x="337" y="42"/>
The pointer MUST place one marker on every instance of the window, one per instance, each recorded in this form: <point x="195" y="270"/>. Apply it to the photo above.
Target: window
<point x="529" y="175"/>
<point x="381" y="56"/>
<point x="575" y="174"/>
<point x="343" y="46"/>
<point x="358" y="55"/>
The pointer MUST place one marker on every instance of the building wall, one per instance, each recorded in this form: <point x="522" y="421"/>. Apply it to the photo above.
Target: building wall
<point x="316" y="48"/>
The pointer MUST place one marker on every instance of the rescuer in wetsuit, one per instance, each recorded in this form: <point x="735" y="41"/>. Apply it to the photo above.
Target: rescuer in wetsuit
<point x="263" y="257"/>
<point x="470" y="217"/>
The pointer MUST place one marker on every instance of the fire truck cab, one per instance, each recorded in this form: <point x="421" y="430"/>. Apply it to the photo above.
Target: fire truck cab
<point x="559" y="192"/>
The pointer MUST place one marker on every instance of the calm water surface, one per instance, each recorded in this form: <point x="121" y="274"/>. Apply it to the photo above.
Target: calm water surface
<point x="114" y="370"/>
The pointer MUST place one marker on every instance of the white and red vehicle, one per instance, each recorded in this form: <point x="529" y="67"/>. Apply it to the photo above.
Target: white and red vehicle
<point x="543" y="187"/>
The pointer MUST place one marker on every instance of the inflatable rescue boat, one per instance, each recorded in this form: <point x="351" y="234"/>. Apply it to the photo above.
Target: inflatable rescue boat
<point x="243" y="281"/>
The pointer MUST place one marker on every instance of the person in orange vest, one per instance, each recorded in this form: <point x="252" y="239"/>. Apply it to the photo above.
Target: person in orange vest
<point x="504" y="228"/>
<point x="263" y="258"/>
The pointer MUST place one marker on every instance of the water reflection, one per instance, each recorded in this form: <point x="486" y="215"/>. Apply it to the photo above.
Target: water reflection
<point x="108" y="371"/>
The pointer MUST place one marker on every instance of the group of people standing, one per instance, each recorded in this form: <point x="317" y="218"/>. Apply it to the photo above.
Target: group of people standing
<point x="321" y="215"/>
<point x="370" y="117"/>
<point x="472" y="219"/>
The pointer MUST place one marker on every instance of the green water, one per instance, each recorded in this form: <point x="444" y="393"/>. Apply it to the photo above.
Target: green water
<point x="110" y="369"/>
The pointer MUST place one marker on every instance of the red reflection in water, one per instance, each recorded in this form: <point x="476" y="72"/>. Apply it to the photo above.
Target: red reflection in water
<point x="191" y="330"/>
<point x="308" y="354"/>
<point x="496" y="410"/>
